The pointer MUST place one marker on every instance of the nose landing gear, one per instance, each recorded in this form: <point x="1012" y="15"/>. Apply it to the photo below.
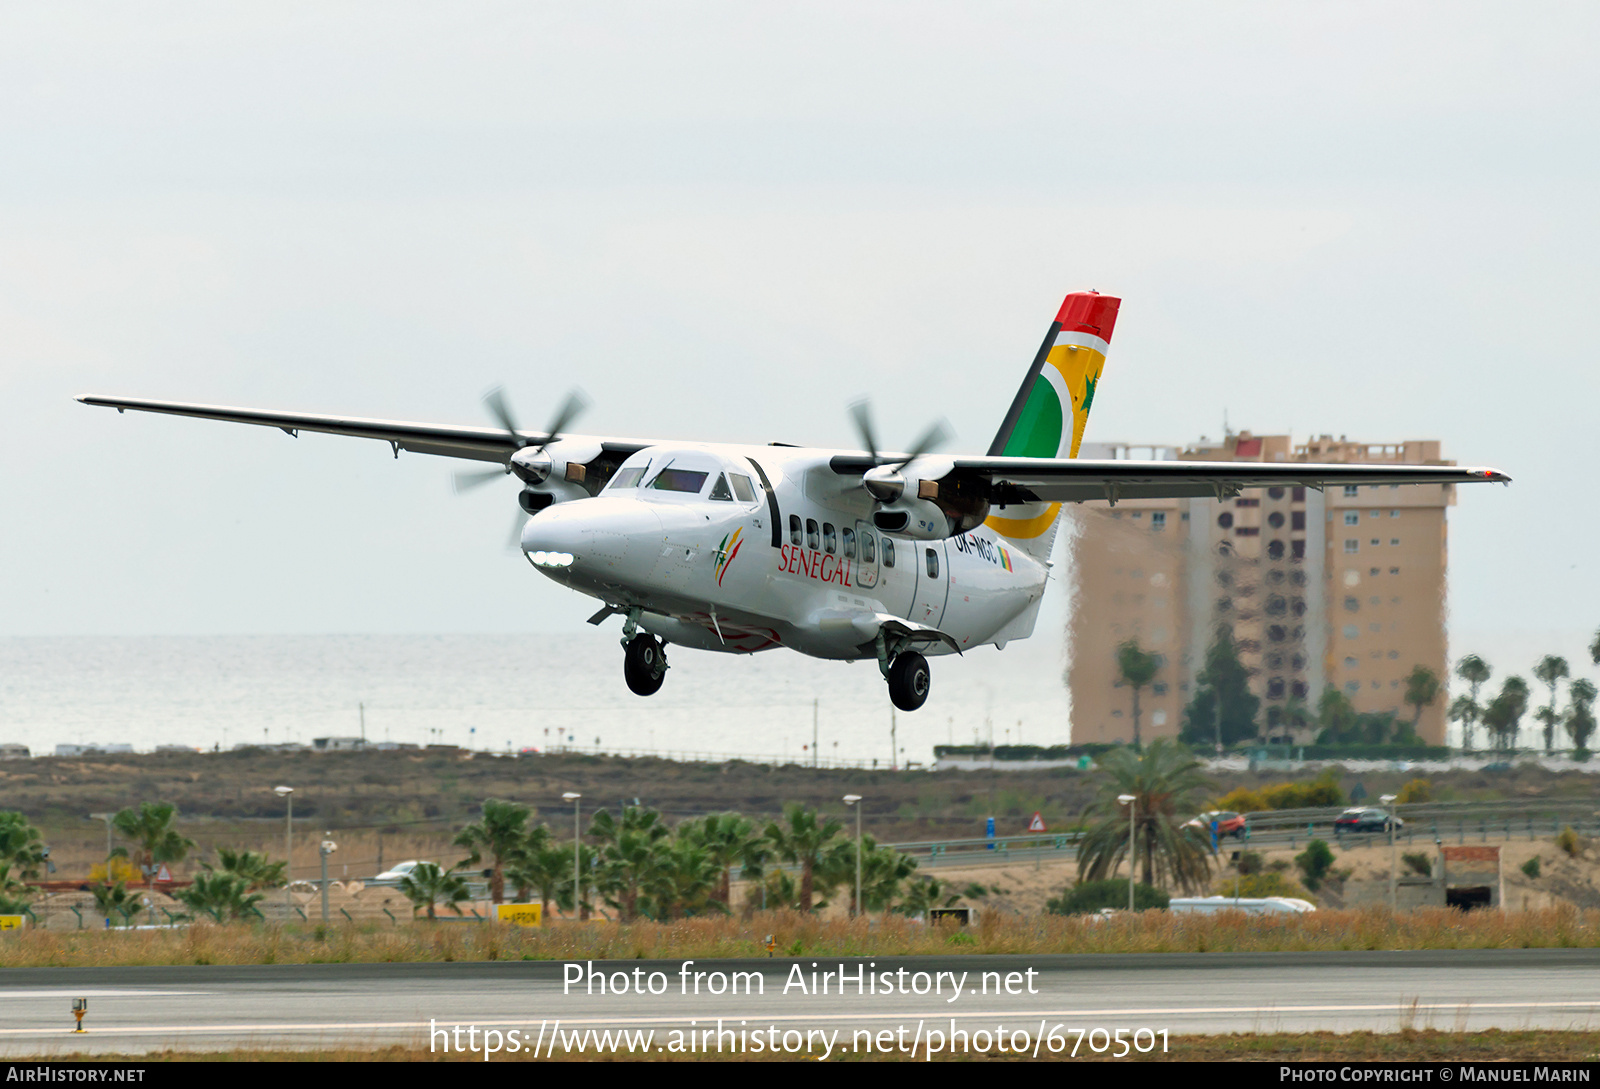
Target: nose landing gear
<point x="644" y="664"/>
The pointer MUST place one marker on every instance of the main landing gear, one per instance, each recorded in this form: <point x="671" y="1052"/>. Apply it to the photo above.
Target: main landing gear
<point x="909" y="680"/>
<point x="644" y="658"/>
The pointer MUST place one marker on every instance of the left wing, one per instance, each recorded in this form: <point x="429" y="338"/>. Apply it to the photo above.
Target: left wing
<point x="445" y="440"/>
<point x="1072" y="480"/>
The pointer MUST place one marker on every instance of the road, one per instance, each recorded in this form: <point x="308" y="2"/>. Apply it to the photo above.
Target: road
<point x="362" y="1005"/>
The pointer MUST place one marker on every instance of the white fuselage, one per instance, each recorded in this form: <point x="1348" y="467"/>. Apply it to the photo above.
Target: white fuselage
<point x="796" y="562"/>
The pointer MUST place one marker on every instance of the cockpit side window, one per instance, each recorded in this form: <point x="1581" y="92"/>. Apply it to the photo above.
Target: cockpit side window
<point x="720" y="490"/>
<point x="743" y="490"/>
<point x="627" y="478"/>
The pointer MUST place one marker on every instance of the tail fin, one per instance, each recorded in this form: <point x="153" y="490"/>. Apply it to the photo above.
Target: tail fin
<point x="1059" y="385"/>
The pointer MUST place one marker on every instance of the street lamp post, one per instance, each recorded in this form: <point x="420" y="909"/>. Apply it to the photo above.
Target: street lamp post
<point x="327" y="848"/>
<point x="107" y="818"/>
<point x="1128" y="800"/>
<point x="855" y="800"/>
<point x="287" y="794"/>
<point x="1394" y="893"/>
<point x="577" y="899"/>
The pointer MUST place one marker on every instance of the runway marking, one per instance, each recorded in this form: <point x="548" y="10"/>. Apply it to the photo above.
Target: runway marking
<point x="523" y="1022"/>
<point x="78" y="992"/>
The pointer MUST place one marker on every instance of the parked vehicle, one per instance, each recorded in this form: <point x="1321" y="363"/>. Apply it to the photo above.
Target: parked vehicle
<point x="1269" y="905"/>
<point x="1366" y="820"/>
<point x="1228" y="823"/>
<point x="399" y="870"/>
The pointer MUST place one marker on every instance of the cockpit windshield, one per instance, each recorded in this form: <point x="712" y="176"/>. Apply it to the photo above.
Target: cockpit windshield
<point x="678" y="480"/>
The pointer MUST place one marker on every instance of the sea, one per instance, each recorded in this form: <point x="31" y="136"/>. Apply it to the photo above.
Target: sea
<point x="512" y="692"/>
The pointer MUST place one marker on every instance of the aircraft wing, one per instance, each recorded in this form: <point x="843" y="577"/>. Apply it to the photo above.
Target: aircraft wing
<point x="444" y="440"/>
<point x="1073" y="480"/>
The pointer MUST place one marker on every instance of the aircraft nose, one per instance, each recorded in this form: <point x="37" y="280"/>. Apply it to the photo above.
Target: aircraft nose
<point x="589" y="536"/>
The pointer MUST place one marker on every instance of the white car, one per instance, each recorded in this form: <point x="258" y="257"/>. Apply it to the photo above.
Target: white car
<point x="399" y="870"/>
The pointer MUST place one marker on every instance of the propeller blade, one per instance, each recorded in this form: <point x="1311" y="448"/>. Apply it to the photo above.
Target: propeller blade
<point x="861" y="413"/>
<point x="465" y="482"/>
<point x="495" y="402"/>
<point x="571" y="409"/>
<point x="933" y="438"/>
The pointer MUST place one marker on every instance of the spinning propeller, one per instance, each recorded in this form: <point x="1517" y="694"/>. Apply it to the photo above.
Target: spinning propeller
<point x="886" y="481"/>
<point x="529" y="461"/>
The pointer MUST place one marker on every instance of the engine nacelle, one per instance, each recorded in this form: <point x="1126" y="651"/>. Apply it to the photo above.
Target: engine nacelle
<point x="560" y="472"/>
<point x="927" y="508"/>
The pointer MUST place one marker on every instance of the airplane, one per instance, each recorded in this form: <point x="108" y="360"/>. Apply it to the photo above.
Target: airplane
<point x="837" y="554"/>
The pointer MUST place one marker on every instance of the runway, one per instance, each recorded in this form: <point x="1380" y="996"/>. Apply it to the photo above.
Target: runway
<point x="885" y="1003"/>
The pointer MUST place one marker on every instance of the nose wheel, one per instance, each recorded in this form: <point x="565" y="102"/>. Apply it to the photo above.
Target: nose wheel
<point x="644" y="664"/>
<point x="909" y="680"/>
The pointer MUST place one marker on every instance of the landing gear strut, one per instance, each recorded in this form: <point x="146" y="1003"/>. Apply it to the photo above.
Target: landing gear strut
<point x="644" y="664"/>
<point x="909" y="680"/>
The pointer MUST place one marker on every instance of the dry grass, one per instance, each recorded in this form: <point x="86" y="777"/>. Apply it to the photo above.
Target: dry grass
<point x="797" y="934"/>
<point x="1492" y="1045"/>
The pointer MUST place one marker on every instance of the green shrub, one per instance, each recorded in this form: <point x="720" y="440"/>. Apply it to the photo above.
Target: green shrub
<point x="1249" y="862"/>
<point x="1419" y="862"/>
<point x="1531" y="867"/>
<point x="1089" y="897"/>
<point x="1257" y="886"/>
<point x="1570" y="842"/>
<point x="1417" y="790"/>
<point x="1314" y="862"/>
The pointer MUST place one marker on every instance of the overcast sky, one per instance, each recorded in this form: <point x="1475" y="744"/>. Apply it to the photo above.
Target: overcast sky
<point x="728" y="220"/>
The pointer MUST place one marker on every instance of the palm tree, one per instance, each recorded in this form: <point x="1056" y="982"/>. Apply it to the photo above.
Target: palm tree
<point x="501" y="834"/>
<point x="1503" y="715"/>
<point x="541" y="868"/>
<point x="427" y="885"/>
<point x="684" y="880"/>
<point x="1580" y="718"/>
<point x="155" y="839"/>
<point x="253" y="867"/>
<point x="1551" y="670"/>
<point x="1466" y="709"/>
<point x="1136" y="669"/>
<point x="117" y="898"/>
<point x="1422" y="688"/>
<point x="731" y="840"/>
<point x="1594" y="648"/>
<point x="21" y="846"/>
<point x="1167" y="788"/>
<point x="882" y="871"/>
<point x="630" y="854"/>
<point x="801" y="839"/>
<point x="220" y="895"/>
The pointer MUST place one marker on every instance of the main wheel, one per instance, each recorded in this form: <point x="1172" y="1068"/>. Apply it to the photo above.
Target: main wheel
<point x="909" y="680"/>
<point x="644" y="665"/>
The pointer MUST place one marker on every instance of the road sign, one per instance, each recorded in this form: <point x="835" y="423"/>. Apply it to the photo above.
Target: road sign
<point x="1037" y="824"/>
<point x="11" y="922"/>
<point x="163" y="874"/>
<point x="520" y="914"/>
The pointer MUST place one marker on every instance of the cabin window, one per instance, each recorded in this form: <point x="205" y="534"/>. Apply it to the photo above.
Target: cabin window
<point x="794" y="529"/>
<point x="743" y="490"/>
<point x="720" y="490"/>
<point x="868" y="548"/>
<point x="848" y="536"/>
<point x="813" y="535"/>
<point x="888" y="552"/>
<point x="830" y="539"/>
<point x="933" y="563"/>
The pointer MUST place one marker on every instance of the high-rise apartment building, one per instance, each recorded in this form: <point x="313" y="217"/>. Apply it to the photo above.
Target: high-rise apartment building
<point x="1342" y="587"/>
